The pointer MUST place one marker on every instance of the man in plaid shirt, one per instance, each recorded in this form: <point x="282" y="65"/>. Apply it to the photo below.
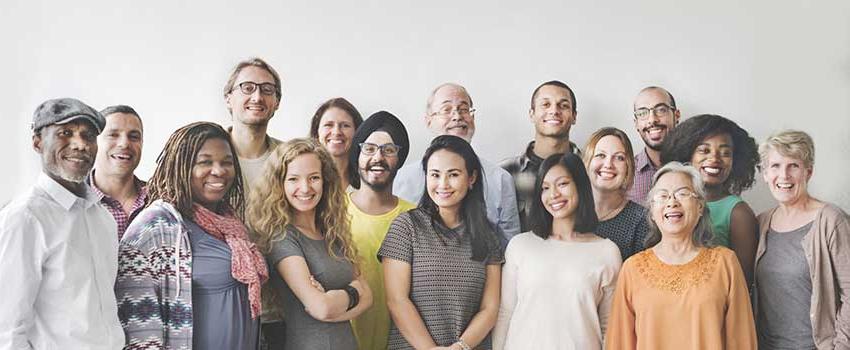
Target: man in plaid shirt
<point x="655" y="115"/>
<point x="119" y="148"/>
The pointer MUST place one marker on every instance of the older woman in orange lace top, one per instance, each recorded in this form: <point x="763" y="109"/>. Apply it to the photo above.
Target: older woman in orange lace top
<point x="681" y="292"/>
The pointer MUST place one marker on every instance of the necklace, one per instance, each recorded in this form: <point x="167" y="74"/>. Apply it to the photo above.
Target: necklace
<point x="613" y="212"/>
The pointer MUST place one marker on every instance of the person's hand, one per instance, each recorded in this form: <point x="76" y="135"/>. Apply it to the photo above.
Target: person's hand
<point x="316" y="284"/>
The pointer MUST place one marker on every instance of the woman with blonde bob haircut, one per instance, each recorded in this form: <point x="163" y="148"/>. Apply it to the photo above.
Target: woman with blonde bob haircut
<point x="802" y="268"/>
<point x="610" y="166"/>
<point x="297" y="214"/>
<point x="681" y="292"/>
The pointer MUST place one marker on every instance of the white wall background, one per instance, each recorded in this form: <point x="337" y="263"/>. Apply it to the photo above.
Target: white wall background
<point x="766" y="64"/>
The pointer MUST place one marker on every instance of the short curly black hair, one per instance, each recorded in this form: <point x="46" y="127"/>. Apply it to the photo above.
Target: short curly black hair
<point x="683" y="140"/>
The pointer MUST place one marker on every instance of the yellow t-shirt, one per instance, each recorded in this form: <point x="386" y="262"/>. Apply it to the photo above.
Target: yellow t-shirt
<point x="368" y="231"/>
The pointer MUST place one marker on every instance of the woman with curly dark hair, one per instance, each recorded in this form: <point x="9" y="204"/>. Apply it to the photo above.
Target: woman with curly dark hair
<point x="726" y="157"/>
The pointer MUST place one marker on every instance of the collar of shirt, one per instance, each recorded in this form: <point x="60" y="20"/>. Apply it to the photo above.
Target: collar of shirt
<point x="642" y="162"/>
<point x="530" y="158"/>
<point x="64" y="197"/>
<point x="141" y="190"/>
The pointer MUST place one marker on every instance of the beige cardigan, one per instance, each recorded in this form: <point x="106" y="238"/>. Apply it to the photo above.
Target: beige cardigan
<point x="827" y="248"/>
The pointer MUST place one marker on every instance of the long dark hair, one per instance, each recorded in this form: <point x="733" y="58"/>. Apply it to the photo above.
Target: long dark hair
<point x="585" y="216"/>
<point x="473" y="211"/>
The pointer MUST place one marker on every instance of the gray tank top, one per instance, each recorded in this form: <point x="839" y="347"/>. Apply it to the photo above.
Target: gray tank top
<point x="785" y="292"/>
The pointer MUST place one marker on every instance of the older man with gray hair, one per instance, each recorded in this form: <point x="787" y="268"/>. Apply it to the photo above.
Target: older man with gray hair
<point x="58" y="246"/>
<point x="449" y="111"/>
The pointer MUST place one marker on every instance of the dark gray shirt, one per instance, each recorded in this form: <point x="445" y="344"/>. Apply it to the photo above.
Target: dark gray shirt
<point x="220" y="308"/>
<point x="302" y="330"/>
<point x="785" y="292"/>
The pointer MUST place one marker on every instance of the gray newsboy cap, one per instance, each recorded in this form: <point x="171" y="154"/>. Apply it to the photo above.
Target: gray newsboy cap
<point x="64" y="110"/>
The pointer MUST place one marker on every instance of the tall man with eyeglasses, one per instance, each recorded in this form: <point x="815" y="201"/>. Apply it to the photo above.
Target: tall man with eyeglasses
<point x="655" y="114"/>
<point x="553" y="113"/>
<point x="449" y="111"/>
<point x="379" y="147"/>
<point x="252" y="95"/>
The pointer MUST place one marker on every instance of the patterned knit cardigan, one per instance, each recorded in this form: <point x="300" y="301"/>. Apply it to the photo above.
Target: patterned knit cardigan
<point x="154" y="286"/>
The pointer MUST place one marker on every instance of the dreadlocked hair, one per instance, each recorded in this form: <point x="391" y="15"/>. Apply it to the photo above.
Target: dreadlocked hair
<point x="684" y="139"/>
<point x="172" y="179"/>
<point x="269" y="212"/>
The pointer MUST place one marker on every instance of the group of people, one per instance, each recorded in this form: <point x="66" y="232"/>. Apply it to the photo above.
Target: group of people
<point x="243" y="241"/>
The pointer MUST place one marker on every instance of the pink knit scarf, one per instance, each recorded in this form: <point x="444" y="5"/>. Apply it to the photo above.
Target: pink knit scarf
<point x="247" y="264"/>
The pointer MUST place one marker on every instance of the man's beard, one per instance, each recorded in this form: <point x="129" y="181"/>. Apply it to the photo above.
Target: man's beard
<point x="53" y="168"/>
<point x="377" y="186"/>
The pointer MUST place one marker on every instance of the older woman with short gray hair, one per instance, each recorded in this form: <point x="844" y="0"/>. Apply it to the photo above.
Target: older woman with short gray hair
<point x="681" y="292"/>
<point x="802" y="265"/>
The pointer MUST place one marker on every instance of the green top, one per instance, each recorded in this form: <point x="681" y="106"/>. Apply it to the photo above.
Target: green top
<point x="720" y="214"/>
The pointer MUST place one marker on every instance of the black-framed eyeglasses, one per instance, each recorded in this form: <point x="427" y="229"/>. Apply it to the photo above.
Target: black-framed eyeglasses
<point x="248" y="88"/>
<point x="660" y="110"/>
<point x="387" y="149"/>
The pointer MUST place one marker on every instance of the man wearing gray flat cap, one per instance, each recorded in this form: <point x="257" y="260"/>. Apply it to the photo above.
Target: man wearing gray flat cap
<point x="58" y="246"/>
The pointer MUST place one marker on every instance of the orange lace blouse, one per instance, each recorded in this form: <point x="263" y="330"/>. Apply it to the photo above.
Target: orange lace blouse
<point x="702" y="304"/>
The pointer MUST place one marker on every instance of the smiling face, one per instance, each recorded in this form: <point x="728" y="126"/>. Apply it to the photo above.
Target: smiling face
<point x="303" y="183"/>
<point x="713" y="158"/>
<point x="213" y="173"/>
<point x="608" y="168"/>
<point x="447" y="180"/>
<point x="559" y="194"/>
<point x="254" y="109"/>
<point x="119" y="145"/>
<point x="787" y="177"/>
<point x="67" y="151"/>
<point x="377" y="171"/>
<point x="553" y="114"/>
<point x="336" y="128"/>
<point x="675" y="216"/>
<point x="655" y="127"/>
<point x="454" y="123"/>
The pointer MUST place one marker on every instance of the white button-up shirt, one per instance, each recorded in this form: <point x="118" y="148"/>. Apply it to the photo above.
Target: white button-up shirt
<point x="58" y="262"/>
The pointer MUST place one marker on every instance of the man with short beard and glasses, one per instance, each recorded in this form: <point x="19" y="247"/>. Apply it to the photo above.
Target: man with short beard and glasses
<point x="379" y="147"/>
<point x="449" y="111"/>
<point x="655" y="115"/>
<point x="58" y="246"/>
<point x="553" y="113"/>
<point x="119" y="149"/>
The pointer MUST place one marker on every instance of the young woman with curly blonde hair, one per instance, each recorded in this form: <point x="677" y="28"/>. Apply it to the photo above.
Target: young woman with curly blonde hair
<point x="297" y="213"/>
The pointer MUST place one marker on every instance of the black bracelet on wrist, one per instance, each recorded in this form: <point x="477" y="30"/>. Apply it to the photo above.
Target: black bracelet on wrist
<point x="353" y="296"/>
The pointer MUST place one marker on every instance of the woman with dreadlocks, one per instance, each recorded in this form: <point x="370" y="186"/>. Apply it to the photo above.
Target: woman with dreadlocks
<point x="188" y="276"/>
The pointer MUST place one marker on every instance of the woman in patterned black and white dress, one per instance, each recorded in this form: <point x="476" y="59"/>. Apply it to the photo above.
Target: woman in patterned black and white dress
<point x="442" y="260"/>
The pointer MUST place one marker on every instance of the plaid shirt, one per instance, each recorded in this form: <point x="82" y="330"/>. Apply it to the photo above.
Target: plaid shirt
<point x="115" y="208"/>
<point x="644" y="170"/>
<point x="523" y="169"/>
